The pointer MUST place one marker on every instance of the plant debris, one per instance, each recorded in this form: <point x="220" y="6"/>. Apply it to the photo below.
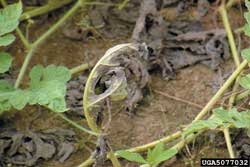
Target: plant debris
<point x="124" y="67"/>
<point x="106" y="21"/>
<point x="177" y="45"/>
<point x="74" y="95"/>
<point x="28" y="147"/>
<point x="242" y="144"/>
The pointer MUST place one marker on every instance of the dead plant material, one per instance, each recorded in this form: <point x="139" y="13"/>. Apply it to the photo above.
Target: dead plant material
<point x="27" y="147"/>
<point x="177" y="45"/>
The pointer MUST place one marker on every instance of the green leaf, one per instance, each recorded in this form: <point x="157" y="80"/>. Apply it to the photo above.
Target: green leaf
<point x="158" y="149"/>
<point x="47" y="87"/>
<point x="158" y="154"/>
<point x="7" y="39"/>
<point x="221" y="119"/>
<point x="40" y="74"/>
<point x="5" y="61"/>
<point x="247" y="29"/>
<point x="201" y="125"/>
<point x="247" y="17"/>
<point x="6" y="91"/>
<point x="245" y="53"/>
<point x="19" y="99"/>
<point x="165" y="155"/>
<point x="223" y="115"/>
<point x="134" y="157"/>
<point x="245" y="81"/>
<point x="5" y="86"/>
<point x="9" y="18"/>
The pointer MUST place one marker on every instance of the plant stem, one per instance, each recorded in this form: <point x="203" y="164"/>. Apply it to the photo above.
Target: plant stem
<point x="227" y="26"/>
<point x="81" y="67"/>
<point x="87" y="163"/>
<point x="123" y="4"/>
<point x="220" y="92"/>
<point x="52" y="5"/>
<point x="23" y="39"/>
<point x="77" y="125"/>
<point x="242" y="95"/>
<point x="185" y="141"/>
<point x="230" y="3"/>
<point x="113" y="159"/>
<point x="58" y="23"/>
<point x="24" y="66"/>
<point x="232" y="98"/>
<point x="100" y="3"/>
<point x="228" y="142"/>
<point x="41" y="39"/>
<point x="154" y="143"/>
<point x="231" y="41"/>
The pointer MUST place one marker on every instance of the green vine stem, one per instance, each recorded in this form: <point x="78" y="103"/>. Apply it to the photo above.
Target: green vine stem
<point x="87" y="163"/>
<point x="24" y="66"/>
<point x="41" y="39"/>
<point x="73" y="123"/>
<point x="22" y="38"/>
<point x="226" y="132"/>
<point x="242" y="95"/>
<point x="230" y="3"/>
<point x="52" y="5"/>
<point x="223" y="12"/>
<point x="220" y="92"/>
<point x="113" y="159"/>
<point x="56" y="4"/>
<point x="81" y="68"/>
<point x="154" y="143"/>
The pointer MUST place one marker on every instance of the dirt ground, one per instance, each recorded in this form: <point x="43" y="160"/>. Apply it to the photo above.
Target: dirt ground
<point x="155" y="117"/>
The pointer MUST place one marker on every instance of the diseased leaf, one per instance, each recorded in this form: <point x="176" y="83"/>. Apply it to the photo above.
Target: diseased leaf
<point x="9" y="18"/>
<point x="245" y="81"/>
<point x="5" y="61"/>
<point x="245" y="53"/>
<point x="134" y="157"/>
<point x="7" y="39"/>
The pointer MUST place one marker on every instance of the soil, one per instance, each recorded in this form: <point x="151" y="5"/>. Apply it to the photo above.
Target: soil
<point x="155" y="116"/>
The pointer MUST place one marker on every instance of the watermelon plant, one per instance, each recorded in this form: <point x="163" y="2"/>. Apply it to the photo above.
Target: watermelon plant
<point x="47" y="87"/>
